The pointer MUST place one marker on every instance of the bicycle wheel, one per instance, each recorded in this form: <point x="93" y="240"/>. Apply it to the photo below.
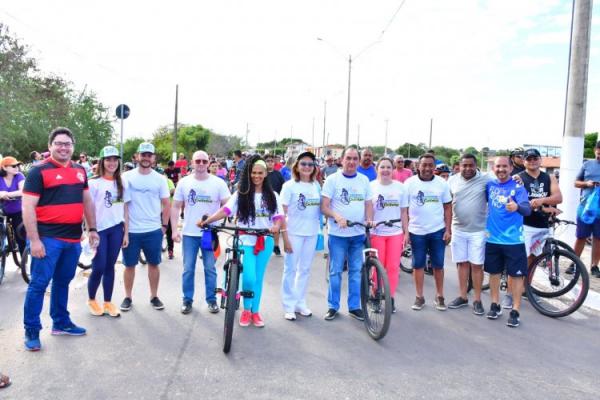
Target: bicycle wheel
<point x="563" y="245"/>
<point x="406" y="260"/>
<point x="26" y="265"/>
<point x="375" y="298"/>
<point x="485" y="285"/>
<point x="552" y="292"/>
<point x="232" y="269"/>
<point x="3" y="250"/>
<point x="13" y="247"/>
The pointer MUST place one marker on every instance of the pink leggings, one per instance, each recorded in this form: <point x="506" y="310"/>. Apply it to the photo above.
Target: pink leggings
<point x="390" y="250"/>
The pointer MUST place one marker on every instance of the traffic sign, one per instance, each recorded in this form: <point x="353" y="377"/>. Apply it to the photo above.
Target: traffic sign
<point x="122" y="111"/>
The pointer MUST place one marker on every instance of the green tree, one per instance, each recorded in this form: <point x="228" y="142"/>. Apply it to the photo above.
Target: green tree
<point x="189" y="139"/>
<point x="589" y="143"/>
<point x="409" y="150"/>
<point x="130" y="147"/>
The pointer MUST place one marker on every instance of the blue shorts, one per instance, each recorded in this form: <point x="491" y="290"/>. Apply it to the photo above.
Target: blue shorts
<point x="513" y="257"/>
<point x="432" y="243"/>
<point x="149" y="242"/>
<point x="584" y="230"/>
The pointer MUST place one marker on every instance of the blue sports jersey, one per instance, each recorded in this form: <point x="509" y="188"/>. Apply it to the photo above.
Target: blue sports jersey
<point x="503" y="226"/>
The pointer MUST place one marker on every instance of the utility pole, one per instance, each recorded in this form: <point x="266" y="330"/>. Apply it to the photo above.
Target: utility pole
<point x="247" y="131"/>
<point x="575" y="108"/>
<point x="175" y="123"/>
<point x="358" y="136"/>
<point x="430" y="131"/>
<point x="385" y="152"/>
<point x="324" y="126"/>
<point x="348" y="106"/>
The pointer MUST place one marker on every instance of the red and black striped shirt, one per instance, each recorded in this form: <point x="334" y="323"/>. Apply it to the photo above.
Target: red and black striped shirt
<point x="60" y="190"/>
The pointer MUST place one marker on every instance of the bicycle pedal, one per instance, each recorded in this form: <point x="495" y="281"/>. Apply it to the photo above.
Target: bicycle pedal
<point x="247" y="294"/>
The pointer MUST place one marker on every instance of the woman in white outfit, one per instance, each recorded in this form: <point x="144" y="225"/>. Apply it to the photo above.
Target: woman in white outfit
<point x="301" y="200"/>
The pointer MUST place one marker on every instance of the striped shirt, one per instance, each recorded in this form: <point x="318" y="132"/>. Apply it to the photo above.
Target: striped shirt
<point x="60" y="189"/>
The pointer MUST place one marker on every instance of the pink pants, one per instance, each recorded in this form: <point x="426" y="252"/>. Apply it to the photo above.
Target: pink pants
<point x="389" y="249"/>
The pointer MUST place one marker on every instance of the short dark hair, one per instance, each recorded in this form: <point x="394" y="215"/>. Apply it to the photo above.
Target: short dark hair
<point x="33" y="155"/>
<point x="427" y="155"/>
<point x="171" y="163"/>
<point x="467" y="156"/>
<point x="60" y="131"/>
<point x="238" y="153"/>
<point x="268" y="157"/>
<point x="350" y="148"/>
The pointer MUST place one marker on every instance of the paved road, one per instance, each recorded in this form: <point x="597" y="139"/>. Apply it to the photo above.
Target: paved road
<point x="148" y="354"/>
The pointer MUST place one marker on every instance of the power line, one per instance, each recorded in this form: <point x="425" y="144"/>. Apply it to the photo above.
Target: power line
<point x="391" y="19"/>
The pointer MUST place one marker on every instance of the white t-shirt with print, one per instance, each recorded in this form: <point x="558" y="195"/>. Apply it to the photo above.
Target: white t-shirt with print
<point x="303" y="200"/>
<point x="109" y="208"/>
<point x="348" y="196"/>
<point x="201" y="197"/>
<point x="388" y="200"/>
<point x="263" y="220"/>
<point x="426" y="201"/>
<point x="143" y="195"/>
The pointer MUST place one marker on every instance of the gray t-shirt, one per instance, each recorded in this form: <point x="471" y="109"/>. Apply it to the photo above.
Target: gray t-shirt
<point x="469" y="202"/>
<point x="590" y="170"/>
<point x="329" y="170"/>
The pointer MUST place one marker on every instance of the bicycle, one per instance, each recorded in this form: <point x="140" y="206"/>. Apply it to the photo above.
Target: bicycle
<point x="406" y="261"/>
<point x="8" y="243"/>
<point x="230" y="293"/>
<point x="375" y="297"/>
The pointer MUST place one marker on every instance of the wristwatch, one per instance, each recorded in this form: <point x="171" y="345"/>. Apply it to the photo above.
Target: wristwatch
<point x="92" y="230"/>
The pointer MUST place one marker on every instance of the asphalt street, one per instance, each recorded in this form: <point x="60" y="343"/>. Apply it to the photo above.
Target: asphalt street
<point x="149" y="354"/>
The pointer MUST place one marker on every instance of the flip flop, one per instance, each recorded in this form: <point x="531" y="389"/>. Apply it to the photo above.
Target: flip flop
<point x="4" y="381"/>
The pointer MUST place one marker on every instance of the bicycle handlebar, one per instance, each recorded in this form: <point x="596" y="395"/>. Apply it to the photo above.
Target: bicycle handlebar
<point x="237" y="229"/>
<point x="391" y="222"/>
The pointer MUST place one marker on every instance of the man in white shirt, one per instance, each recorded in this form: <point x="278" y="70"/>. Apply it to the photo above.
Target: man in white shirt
<point x="202" y="194"/>
<point x="147" y="204"/>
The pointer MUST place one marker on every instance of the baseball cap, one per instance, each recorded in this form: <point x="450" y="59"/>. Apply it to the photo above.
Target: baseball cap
<point x="6" y="161"/>
<point x="518" y="151"/>
<point x="145" y="147"/>
<point x="306" y="154"/>
<point x="109" y="151"/>
<point x="531" y="153"/>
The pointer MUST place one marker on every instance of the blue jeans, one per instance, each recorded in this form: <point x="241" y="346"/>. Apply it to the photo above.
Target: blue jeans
<point x="58" y="265"/>
<point x="341" y="248"/>
<point x="191" y="245"/>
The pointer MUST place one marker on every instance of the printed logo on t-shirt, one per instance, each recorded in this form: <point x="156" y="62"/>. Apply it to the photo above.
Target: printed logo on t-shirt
<point x="194" y="198"/>
<point x="536" y="189"/>
<point x="303" y="202"/>
<point x="346" y="197"/>
<point x="108" y="199"/>
<point x="80" y="177"/>
<point x="422" y="198"/>
<point x="382" y="203"/>
<point x="498" y="196"/>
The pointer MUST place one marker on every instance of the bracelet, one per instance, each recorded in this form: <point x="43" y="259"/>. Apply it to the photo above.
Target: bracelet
<point x="92" y="230"/>
<point x="166" y="226"/>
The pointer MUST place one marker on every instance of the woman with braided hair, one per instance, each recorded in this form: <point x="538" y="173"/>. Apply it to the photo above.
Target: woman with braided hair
<point x="255" y="205"/>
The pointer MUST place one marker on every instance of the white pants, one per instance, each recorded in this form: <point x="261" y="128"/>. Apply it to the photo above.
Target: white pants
<point x="296" y="271"/>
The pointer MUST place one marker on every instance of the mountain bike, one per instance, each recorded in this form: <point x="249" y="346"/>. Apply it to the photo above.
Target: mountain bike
<point x="230" y="293"/>
<point x="8" y="243"/>
<point x="375" y="296"/>
<point x="406" y="261"/>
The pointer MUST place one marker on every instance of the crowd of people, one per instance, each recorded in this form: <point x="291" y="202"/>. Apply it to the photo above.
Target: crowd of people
<point x="492" y="221"/>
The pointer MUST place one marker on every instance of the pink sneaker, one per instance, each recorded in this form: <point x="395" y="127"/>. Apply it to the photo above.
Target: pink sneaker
<point x="257" y="320"/>
<point x="245" y="318"/>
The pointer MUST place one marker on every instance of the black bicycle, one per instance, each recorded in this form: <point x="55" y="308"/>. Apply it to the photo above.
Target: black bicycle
<point x="375" y="296"/>
<point x="8" y="243"/>
<point x="230" y="293"/>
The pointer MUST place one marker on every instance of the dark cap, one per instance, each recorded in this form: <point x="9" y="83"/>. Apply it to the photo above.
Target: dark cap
<point x="518" y="151"/>
<point x="531" y="153"/>
<point x="306" y="154"/>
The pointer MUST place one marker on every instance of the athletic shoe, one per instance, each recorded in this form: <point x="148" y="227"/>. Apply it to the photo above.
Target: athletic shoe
<point x="439" y="303"/>
<point x="358" y="314"/>
<point x="478" y="308"/>
<point x="595" y="271"/>
<point x="495" y="311"/>
<point x="32" y="339"/>
<point x="245" y="318"/>
<point x="304" y="311"/>
<point x="111" y="309"/>
<point x="507" y="301"/>
<point x="70" y="330"/>
<point x="156" y="303"/>
<point x="186" y="307"/>
<point x="213" y="308"/>
<point x="331" y="314"/>
<point x="95" y="308"/>
<point x="393" y="306"/>
<point x="571" y="269"/>
<point x="277" y="251"/>
<point x="419" y="303"/>
<point x="257" y="320"/>
<point x="513" y="319"/>
<point x="458" y="303"/>
<point x="290" y="316"/>
<point x="126" y="304"/>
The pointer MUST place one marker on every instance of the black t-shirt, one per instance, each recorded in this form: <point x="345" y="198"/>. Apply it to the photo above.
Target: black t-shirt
<point x="173" y="174"/>
<point x="276" y="180"/>
<point x="536" y="188"/>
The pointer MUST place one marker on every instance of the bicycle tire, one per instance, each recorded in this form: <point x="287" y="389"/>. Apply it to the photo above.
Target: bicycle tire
<point x="232" y="268"/>
<point x="566" y="300"/>
<point x="26" y="265"/>
<point x="3" y="250"/>
<point x="85" y="265"/>
<point x="14" y="247"/>
<point x="563" y="245"/>
<point x="375" y="298"/>
<point x="406" y="260"/>
<point x="484" y="286"/>
<point x="2" y="265"/>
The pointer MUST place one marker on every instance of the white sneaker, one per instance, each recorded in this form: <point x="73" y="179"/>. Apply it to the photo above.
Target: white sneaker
<point x="304" y="311"/>
<point x="290" y="316"/>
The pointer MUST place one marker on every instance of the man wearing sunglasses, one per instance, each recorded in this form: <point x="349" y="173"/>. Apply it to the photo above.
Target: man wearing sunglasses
<point x="516" y="160"/>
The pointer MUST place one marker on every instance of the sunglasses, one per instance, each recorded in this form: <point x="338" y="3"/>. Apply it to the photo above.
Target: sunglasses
<point x="307" y="164"/>
<point x="14" y="165"/>
<point x="201" y="161"/>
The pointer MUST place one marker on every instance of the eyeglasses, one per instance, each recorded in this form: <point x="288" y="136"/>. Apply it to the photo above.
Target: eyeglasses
<point x="63" y="144"/>
<point x="307" y="164"/>
<point x="201" y="161"/>
<point x="329" y="160"/>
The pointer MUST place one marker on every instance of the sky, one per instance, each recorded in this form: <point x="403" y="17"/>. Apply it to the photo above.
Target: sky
<point x="489" y="73"/>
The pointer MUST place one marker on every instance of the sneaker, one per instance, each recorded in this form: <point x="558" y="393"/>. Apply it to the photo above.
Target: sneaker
<point x="213" y="308"/>
<point x="478" y="308"/>
<point x="595" y="271"/>
<point x="276" y="251"/>
<point x="126" y="304"/>
<point x="245" y="318"/>
<point x="290" y="316"/>
<point x="331" y="314"/>
<point x="439" y="303"/>
<point x="358" y="314"/>
<point x="32" y="340"/>
<point x="507" y="302"/>
<point x="495" y="311"/>
<point x="571" y="269"/>
<point x="257" y="320"/>
<point x="95" y="308"/>
<point x="513" y="319"/>
<point x="304" y="311"/>
<point x="111" y="310"/>
<point x="70" y="330"/>
<point x="458" y="303"/>
<point x="186" y="307"/>
<point x="156" y="303"/>
<point x="419" y="303"/>
<point x="393" y="306"/>
<point x="171" y="254"/>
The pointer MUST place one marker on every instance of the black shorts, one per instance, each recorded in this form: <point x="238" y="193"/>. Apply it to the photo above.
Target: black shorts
<point x="511" y="257"/>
